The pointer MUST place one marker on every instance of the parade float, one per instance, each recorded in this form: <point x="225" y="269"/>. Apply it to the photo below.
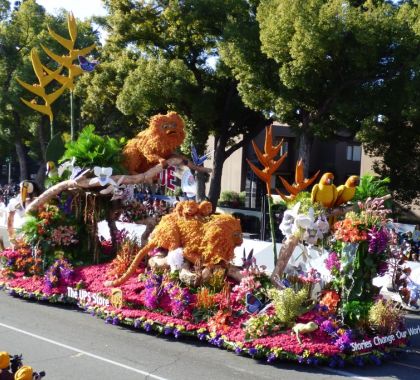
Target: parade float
<point x="316" y="305"/>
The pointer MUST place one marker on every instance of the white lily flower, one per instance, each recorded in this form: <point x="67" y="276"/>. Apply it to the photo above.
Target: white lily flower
<point x="66" y="165"/>
<point x="103" y="176"/>
<point x="322" y="225"/>
<point x="305" y="221"/>
<point x="289" y="216"/>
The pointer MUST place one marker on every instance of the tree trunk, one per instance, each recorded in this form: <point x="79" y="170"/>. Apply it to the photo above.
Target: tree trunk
<point x="216" y="175"/>
<point x="20" y="152"/>
<point x="201" y="185"/>
<point x="40" y="178"/>
<point x="114" y="208"/>
<point x="304" y="151"/>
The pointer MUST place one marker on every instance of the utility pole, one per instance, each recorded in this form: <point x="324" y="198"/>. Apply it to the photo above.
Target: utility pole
<point x="9" y="176"/>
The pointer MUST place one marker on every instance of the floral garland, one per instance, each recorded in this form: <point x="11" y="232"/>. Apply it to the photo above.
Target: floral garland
<point x="275" y="351"/>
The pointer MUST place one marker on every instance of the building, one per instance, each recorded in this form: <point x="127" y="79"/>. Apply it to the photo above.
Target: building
<point x="342" y="158"/>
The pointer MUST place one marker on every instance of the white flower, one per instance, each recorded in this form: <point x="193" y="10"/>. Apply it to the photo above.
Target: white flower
<point x="305" y="221"/>
<point x="322" y="225"/>
<point x="66" y="165"/>
<point x="175" y="259"/>
<point x="103" y="176"/>
<point x="289" y="217"/>
<point x="76" y="171"/>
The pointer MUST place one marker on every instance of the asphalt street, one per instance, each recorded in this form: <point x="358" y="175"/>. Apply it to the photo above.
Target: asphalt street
<point x="70" y="344"/>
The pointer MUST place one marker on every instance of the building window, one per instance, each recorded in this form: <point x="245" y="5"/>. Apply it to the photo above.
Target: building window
<point x="354" y="152"/>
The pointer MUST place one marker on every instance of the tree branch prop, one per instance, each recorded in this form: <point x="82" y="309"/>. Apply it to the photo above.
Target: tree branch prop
<point x="337" y="211"/>
<point x="84" y="183"/>
<point x="285" y="254"/>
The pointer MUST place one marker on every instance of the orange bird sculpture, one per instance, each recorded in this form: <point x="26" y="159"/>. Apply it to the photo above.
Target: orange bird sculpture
<point x="325" y="191"/>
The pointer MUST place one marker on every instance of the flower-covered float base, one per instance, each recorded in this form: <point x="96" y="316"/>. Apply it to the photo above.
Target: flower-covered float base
<point x="153" y="302"/>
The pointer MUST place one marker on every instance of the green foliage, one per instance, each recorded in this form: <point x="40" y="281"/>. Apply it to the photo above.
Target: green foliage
<point x="53" y="231"/>
<point x="385" y="316"/>
<point x="165" y="56"/>
<point x="288" y="303"/>
<point x="21" y="30"/>
<point x="395" y="141"/>
<point x="356" y="313"/>
<point x="55" y="148"/>
<point x="304" y="197"/>
<point x="371" y="186"/>
<point x="92" y="150"/>
<point x="232" y="199"/>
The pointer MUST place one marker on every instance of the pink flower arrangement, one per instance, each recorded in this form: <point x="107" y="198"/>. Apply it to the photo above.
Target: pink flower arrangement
<point x="310" y="277"/>
<point x="64" y="236"/>
<point x="248" y="284"/>
<point x="225" y="329"/>
<point x="332" y="263"/>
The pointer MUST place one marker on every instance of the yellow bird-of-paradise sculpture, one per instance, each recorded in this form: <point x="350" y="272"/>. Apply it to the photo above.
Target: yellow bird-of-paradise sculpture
<point x="38" y="89"/>
<point x="67" y="60"/>
<point x="300" y="184"/>
<point x="46" y="76"/>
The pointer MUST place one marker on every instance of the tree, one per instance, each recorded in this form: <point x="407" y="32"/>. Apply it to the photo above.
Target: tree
<point x="172" y="45"/>
<point x="19" y="32"/>
<point x="392" y="133"/>
<point x="319" y="64"/>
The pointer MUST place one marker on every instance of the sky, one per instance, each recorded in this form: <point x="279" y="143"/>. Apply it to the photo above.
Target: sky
<point x="81" y="8"/>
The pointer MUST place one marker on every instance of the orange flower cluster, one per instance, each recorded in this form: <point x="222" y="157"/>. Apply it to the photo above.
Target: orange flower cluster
<point x="27" y="263"/>
<point x="205" y="300"/>
<point x="123" y="260"/>
<point x="330" y="299"/>
<point x="219" y="323"/>
<point x="349" y="230"/>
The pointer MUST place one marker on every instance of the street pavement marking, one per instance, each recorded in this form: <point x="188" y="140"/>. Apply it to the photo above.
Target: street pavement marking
<point x="405" y="365"/>
<point x="347" y="374"/>
<point x="71" y="348"/>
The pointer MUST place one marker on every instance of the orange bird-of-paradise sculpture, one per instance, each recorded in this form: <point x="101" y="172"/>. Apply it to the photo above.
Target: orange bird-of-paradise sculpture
<point x="300" y="184"/>
<point x="267" y="159"/>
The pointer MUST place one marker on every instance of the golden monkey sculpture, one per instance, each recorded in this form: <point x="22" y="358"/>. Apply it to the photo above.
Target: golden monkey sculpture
<point x="155" y="144"/>
<point x="208" y="240"/>
<point x="325" y="191"/>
